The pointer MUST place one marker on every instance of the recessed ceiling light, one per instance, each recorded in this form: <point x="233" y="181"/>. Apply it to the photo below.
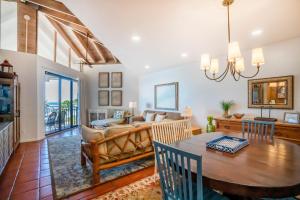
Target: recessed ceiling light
<point x="184" y="55"/>
<point x="136" y="38"/>
<point x="256" y="32"/>
<point x="147" y="67"/>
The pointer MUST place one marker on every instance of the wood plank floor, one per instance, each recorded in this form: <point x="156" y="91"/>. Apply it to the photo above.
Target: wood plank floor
<point x="27" y="175"/>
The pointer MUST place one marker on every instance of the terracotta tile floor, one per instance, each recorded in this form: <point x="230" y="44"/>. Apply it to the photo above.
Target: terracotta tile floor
<point x="27" y="174"/>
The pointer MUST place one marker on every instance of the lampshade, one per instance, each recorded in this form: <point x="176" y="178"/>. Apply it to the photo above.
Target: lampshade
<point x="205" y="62"/>
<point x="233" y="51"/>
<point x="258" y="57"/>
<point x="187" y="112"/>
<point x="132" y="104"/>
<point x="214" y="66"/>
<point x="240" y="65"/>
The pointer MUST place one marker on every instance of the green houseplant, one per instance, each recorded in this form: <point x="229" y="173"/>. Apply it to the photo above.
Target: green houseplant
<point x="226" y="105"/>
<point x="210" y="126"/>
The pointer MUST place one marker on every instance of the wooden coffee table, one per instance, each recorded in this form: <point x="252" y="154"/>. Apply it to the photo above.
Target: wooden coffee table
<point x="262" y="169"/>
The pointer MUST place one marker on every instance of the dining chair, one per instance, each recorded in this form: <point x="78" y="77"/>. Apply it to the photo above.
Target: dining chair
<point x="172" y="131"/>
<point x="176" y="179"/>
<point x="261" y="129"/>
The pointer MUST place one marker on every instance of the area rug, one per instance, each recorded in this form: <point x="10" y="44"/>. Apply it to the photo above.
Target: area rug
<point x="144" y="189"/>
<point x="68" y="176"/>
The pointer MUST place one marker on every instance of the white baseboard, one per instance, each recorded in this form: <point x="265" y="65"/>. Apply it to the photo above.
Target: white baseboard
<point x="32" y="139"/>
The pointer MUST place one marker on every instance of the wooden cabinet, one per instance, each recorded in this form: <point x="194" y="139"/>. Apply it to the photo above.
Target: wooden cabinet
<point x="6" y="143"/>
<point x="283" y="130"/>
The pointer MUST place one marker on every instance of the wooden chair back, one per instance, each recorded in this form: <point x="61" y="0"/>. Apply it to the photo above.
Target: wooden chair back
<point x="172" y="131"/>
<point x="175" y="173"/>
<point x="259" y="129"/>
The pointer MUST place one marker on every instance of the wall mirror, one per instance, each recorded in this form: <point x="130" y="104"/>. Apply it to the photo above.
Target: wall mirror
<point x="274" y="92"/>
<point x="166" y="96"/>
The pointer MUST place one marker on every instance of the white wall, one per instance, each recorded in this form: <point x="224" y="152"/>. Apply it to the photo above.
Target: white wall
<point x="8" y="25"/>
<point x="204" y="96"/>
<point x="130" y="84"/>
<point x="31" y="73"/>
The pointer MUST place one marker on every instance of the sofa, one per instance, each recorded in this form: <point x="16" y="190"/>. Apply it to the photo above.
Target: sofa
<point x="114" y="146"/>
<point x="143" y="118"/>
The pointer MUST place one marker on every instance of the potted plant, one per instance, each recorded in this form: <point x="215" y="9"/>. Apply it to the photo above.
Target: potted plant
<point x="226" y="105"/>
<point x="210" y="126"/>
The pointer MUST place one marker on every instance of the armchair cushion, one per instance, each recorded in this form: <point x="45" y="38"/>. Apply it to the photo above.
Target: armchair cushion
<point x="119" y="145"/>
<point x="90" y="134"/>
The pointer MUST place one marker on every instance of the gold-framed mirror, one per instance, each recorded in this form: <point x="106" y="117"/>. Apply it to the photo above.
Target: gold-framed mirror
<point x="276" y="92"/>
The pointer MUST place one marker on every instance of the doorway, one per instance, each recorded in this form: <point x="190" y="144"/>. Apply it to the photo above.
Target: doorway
<point x="61" y="103"/>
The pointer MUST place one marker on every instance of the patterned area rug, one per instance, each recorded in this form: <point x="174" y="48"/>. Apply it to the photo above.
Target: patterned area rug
<point x="68" y="176"/>
<point x="144" y="189"/>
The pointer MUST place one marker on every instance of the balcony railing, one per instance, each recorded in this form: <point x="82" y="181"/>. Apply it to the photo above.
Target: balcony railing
<point x="52" y="120"/>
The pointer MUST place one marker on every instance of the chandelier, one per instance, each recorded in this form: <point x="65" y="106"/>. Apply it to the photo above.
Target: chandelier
<point x="235" y="61"/>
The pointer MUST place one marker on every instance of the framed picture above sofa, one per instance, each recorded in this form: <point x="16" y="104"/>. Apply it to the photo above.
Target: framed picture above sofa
<point x="103" y="97"/>
<point x="116" y="98"/>
<point x="166" y="96"/>
<point x="103" y="79"/>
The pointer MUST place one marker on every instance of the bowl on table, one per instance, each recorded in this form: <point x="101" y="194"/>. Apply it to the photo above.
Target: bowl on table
<point x="238" y="115"/>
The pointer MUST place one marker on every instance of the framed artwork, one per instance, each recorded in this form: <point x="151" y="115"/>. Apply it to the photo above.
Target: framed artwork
<point x="116" y="98"/>
<point x="277" y="92"/>
<point x="116" y="80"/>
<point x="292" y="117"/>
<point x="103" y="79"/>
<point x="166" y="96"/>
<point x="103" y="97"/>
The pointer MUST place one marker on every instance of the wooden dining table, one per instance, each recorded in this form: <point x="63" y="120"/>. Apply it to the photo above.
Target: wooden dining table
<point x="261" y="169"/>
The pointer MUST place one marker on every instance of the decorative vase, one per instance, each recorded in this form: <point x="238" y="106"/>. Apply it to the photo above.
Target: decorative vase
<point x="210" y="126"/>
<point x="225" y="114"/>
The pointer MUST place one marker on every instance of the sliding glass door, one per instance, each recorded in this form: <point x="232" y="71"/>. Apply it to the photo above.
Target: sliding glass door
<point x="61" y="103"/>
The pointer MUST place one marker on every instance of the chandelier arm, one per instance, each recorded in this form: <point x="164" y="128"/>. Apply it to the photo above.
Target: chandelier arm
<point x="234" y="72"/>
<point x="258" y="68"/>
<point x="219" y="77"/>
<point x="223" y="76"/>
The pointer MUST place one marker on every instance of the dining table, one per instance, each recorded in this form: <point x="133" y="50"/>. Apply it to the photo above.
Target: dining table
<point x="263" y="168"/>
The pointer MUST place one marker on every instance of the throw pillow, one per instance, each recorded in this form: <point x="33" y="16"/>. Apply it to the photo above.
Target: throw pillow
<point x="159" y="118"/>
<point x="119" y="114"/>
<point x="150" y="117"/>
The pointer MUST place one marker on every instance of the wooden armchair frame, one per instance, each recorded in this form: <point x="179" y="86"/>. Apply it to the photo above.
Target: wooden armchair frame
<point x="94" y="158"/>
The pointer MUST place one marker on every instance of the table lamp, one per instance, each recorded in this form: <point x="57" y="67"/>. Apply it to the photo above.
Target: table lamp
<point x="187" y="112"/>
<point x="132" y="105"/>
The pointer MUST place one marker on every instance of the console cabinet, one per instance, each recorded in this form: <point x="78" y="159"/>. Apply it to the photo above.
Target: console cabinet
<point x="6" y="143"/>
<point x="283" y="130"/>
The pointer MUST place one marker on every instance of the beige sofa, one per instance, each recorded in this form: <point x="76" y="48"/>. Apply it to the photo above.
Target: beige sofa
<point x="114" y="146"/>
<point x="168" y="116"/>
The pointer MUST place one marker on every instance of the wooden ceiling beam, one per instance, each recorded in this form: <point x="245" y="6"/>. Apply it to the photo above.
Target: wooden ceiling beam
<point x="73" y="26"/>
<point x="87" y="46"/>
<point x="67" y="38"/>
<point x="51" y="4"/>
<point x="109" y="57"/>
<point x="99" y="50"/>
<point x="67" y="18"/>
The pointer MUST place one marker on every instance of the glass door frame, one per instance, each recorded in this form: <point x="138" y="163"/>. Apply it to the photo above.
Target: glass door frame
<point x="60" y="77"/>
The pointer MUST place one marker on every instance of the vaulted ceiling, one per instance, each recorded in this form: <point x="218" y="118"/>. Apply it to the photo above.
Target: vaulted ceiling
<point x="79" y="38"/>
<point x="169" y="28"/>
